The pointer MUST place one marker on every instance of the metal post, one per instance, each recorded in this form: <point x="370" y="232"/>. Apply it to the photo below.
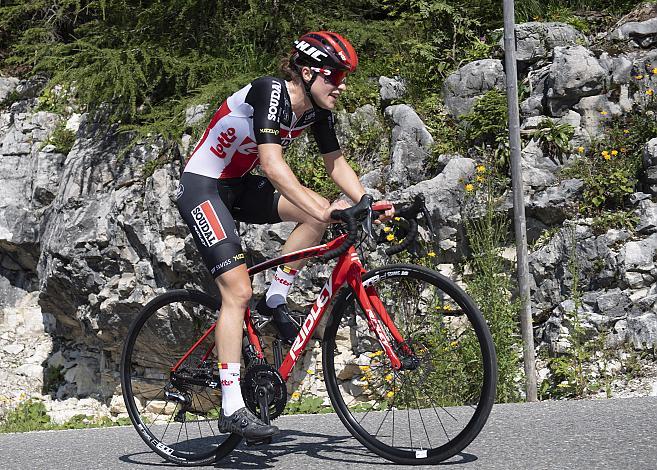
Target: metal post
<point x="520" y="225"/>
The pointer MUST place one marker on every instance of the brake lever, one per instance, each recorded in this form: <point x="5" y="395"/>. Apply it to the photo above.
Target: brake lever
<point x="367" y="223"/>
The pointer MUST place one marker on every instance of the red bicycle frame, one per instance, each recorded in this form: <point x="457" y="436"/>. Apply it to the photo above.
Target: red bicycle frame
<point x="348" y="270"/>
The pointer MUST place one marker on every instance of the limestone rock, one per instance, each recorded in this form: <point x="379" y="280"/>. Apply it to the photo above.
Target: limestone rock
<point x="574" y="74"/>
<point x="411" y="144"/>
<point x="391" y="89"/>
<point x="641" y="33"/>
<point x="470" y="82"/>
<point x="536" y="40"/>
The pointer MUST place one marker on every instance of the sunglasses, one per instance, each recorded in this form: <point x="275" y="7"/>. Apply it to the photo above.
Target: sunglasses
<point x="334" y="77"/>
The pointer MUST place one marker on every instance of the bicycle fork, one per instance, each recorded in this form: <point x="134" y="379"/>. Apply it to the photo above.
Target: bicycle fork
<point x="371" y="304"/>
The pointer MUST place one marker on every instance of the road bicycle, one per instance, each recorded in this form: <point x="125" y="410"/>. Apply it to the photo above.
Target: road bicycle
<point x="407" y="357"/>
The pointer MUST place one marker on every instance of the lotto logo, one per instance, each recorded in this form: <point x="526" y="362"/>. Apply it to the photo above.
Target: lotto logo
<point x="282" y="281"/>
<point x="224" y="141"/>
<point x="210" y="228"/>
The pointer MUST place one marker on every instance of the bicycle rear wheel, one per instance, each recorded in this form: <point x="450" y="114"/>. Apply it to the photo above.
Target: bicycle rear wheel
<point x="433" y="409"/>
<point x="176" y="414"/>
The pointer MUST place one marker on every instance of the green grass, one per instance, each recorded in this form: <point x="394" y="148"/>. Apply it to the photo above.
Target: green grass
<point x="31" y="415"/>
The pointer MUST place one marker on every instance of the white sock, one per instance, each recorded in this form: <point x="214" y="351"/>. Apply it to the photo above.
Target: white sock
<point x="280" y="286"/>
<point x="231" y="393"/>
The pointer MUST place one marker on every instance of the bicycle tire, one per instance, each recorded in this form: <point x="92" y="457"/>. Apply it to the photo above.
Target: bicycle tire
<point x="452" y="342"/>
<point x="158" y="337"/>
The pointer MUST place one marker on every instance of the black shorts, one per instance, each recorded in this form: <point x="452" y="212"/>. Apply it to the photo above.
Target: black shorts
<point x="209" y="207"/>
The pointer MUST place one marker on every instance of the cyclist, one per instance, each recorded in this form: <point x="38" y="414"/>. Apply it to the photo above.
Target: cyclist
<point x="254" y="126"/>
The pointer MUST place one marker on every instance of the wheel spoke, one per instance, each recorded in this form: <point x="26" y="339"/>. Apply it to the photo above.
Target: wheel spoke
<point x="447" y="337"/>
<point x="162" y="334"/>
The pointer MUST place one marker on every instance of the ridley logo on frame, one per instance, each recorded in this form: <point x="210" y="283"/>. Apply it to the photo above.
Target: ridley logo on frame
<point x="309" y="323"/>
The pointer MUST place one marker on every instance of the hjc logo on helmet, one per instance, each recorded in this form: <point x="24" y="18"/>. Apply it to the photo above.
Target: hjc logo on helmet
<point x="312" y="51"/>
<point x="225" y="140"/>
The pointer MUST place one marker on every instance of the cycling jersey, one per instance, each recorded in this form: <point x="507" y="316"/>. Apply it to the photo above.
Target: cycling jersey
<point x="259" y="113"/>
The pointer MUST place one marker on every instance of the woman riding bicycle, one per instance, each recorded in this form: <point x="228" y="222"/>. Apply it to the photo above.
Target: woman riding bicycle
<point x="254" y="126"/>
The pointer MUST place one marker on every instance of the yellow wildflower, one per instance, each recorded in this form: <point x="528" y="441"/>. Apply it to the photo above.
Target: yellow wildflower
<point x="604" y="113"/>
<point x="469" y="187"/>
<point x="454" y="344"/>
<point x="364" y="368"/>
<point x="654" y="71"/>
<point x="605" y="154"/>
<point x="296" y="395"/>
<point x="481" y="169"/>
<point x="614" y="152"/>
<point x="649" y="92"/>
<point x="389" y="377"/>
<point x="397" y="219"/>
<point x="626" y="131"/>
<point x="431" y="254"/>
<point x="480" y="179"/>
<point x="580" y="149"/>
<point x="310" y="372"/>
<point x="639" y="77"/>
<point x="607" y="157"/>
<point x="390" y="394"/>
<point x="386" y="229"/>
<point x="390" y="237"/>
<point x="376" y="354"/>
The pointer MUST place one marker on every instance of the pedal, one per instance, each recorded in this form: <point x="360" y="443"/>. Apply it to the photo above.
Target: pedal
<point x="264" y="441"/>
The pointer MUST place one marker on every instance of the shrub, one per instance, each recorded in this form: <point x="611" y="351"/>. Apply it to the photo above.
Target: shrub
<point x="554" y="138"/>
<point x="30" y="415"/>
<point x="306" y="163"/>
<point x="490" y="283"/>
<point x="62" y="139"/>
<point x="486" y="126"/>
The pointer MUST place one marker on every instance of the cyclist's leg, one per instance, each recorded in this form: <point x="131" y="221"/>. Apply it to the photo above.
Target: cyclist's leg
<point x="213" y="229"/>
<point x="260" y="203"/>
<point x="235" y="288"/>
<point x="309" y="232"/>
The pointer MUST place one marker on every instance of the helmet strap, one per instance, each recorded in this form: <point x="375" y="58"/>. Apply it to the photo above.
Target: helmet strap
<point x="307" y="85"/>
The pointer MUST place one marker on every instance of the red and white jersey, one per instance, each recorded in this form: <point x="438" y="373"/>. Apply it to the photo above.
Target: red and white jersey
<point x="259" y="113"/>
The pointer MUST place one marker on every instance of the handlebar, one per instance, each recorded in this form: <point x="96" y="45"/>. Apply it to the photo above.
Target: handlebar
<point x="351" y="217"/>
<point x="363" y="211"/>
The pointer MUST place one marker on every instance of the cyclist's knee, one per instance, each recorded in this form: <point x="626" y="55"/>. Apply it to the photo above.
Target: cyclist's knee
<point x="237" y="299"/>
<point x="235" y="291"/>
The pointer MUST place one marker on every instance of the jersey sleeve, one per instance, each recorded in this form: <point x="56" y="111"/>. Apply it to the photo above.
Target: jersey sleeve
<point x="266" y="99"/>
<point x="324" y="132"/>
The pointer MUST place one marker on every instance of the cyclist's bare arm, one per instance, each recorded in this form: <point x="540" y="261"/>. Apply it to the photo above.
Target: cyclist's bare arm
<point x="347" y="180"/>
<point x="281" y="176"/>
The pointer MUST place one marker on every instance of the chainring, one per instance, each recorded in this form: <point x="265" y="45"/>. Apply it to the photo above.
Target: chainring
<point x="263" y="377"/>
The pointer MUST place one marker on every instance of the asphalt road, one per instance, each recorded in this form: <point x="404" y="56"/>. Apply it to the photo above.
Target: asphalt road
<point x="603" y="434"/>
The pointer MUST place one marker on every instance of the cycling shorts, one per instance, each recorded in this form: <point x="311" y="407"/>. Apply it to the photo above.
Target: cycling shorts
<point x="210" y="206"/>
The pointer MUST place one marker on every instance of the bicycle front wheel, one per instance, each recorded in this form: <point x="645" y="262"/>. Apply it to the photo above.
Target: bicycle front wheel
<point x="175" y="413"/>
<point x="438" y="403"/>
